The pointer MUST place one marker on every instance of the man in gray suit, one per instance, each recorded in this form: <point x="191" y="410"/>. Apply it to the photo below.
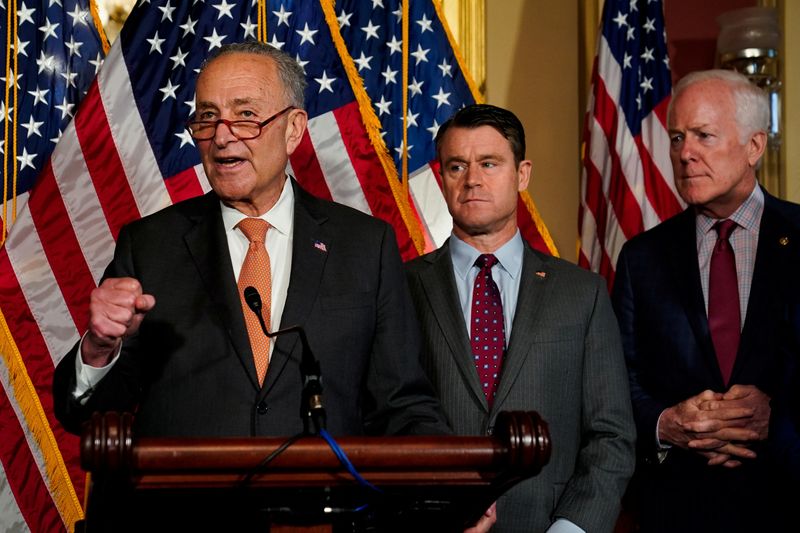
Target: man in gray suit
<point x="508" y="328"/>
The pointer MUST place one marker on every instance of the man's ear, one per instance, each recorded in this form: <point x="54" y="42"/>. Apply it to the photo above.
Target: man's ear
<point x="756" y="147"/>
<point x="295" y="128"/>
<point x="524" y="174"/>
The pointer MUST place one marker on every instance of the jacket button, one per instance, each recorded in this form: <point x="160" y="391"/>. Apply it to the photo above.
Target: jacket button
<point x="262" y="408"/>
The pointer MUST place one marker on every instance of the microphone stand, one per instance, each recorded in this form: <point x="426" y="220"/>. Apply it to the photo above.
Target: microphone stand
<point x="312" y="409"/>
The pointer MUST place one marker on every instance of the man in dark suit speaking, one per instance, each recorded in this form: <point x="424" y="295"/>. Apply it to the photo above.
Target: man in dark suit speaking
<point x="700" y="299"/>
<point x="508" y="328"/>
<point x="170" y="336"/>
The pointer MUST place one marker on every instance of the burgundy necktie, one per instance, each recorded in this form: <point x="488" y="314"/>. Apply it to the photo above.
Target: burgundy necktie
<point x="487" y="332"/>
<point x="723" y="300"/>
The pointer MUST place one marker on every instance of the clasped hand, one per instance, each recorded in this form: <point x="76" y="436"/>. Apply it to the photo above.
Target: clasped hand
<point x="719" y="426"/>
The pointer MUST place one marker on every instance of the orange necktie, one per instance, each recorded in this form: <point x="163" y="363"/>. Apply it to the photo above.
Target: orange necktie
<point x="256" y="273"/>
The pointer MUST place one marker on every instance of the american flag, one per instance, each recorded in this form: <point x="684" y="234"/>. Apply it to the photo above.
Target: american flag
<point x="626" y="183"/>
<point x="53" y="52"/>
<point x="126" y="154"/>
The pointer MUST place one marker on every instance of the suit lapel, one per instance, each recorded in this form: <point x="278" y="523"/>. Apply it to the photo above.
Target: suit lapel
<point x="208" y="247"/>
<point x="681" y="255"/>
<point x="438" y="283"/>
<point x="308" y="264"/>
<point x="532" y="298"/>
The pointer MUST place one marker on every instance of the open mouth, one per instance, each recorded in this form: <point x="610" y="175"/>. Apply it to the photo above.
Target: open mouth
<point x="228" y="161"/>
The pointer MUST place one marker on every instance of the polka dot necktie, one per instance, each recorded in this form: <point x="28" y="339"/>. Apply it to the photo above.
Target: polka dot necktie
<point x="256" y="273"/>
<point x="487" y="331"/>
<point x="724" y="320"/>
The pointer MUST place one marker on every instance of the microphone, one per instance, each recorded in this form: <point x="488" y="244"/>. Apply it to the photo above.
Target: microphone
<point x="253" y="300"/>
<point x="312" y="409"/>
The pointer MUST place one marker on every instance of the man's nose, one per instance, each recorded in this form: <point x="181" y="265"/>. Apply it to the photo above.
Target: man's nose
<point x="687" y="151"/>
<point x="223" y="134"/>
<point x="472" y="177"/>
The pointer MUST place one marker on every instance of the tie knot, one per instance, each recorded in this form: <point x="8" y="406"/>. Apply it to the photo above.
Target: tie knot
<point x="725" y="228"/>
<point x="486" y="261"/>
<point x="255" y="229"/>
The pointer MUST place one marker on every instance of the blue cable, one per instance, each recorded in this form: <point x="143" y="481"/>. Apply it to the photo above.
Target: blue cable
<point x="347" y="464"/>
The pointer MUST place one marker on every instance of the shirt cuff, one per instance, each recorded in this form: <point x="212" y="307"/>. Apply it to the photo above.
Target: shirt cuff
<point x="661" y="448"/>
<point x="562" y="525"/>
<point x="88" y="376"/>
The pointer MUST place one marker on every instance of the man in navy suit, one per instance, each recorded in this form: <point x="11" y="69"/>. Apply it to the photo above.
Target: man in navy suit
<point x="702" y="374"/>
<point x="167" y="334"/>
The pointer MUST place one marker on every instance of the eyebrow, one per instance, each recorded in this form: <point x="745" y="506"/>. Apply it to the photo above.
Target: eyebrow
<point x="481" y="157"/>
<point x="692" y="127"/>
<point x="234" y="102"/>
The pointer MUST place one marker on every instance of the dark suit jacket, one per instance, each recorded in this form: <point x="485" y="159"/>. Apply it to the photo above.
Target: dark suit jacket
<point x="564" y="360"/>
<point x="670" y="357"/>
<point x="189" y="371"/>
<point x="784" y="431"/>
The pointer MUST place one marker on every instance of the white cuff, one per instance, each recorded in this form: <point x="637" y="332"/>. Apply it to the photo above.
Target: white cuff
<point x="88" y="376"/>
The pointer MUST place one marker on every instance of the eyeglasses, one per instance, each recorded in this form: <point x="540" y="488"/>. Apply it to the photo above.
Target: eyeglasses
<point x="244" y="130"/>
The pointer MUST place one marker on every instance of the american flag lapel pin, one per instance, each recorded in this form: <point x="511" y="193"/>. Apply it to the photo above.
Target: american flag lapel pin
<point x="319" y="245"/>
<point x="541" y="273"/>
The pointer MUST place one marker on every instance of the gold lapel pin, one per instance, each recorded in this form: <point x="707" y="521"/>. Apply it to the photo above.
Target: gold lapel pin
<point x="783" y="241"/>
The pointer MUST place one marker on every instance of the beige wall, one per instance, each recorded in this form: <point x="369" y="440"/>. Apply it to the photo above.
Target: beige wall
<point x="791" y="119"/>
<point x="532" y="69"/>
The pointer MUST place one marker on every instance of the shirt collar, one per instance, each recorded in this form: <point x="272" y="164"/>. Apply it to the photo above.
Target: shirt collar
<point x="509" y="256"/>
<point x="748" y="215"/>
<point x="280" y="217"/>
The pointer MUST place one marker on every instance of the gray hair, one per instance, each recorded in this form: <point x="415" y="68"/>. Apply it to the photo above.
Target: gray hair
<point x="752" y="104"/>
<point x="290" y="72"/>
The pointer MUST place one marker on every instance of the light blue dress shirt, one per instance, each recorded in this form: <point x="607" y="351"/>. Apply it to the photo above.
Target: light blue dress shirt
<point x="506" y="273"/>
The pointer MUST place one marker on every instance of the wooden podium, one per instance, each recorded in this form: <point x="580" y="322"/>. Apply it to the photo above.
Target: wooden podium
<point x="250" y="484"/>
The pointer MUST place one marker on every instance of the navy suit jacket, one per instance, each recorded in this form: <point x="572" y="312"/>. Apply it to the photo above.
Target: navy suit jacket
<point x="189" y="370"/>
<point x="670" y="357"/>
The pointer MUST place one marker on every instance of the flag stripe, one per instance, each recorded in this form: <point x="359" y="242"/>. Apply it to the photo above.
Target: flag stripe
<point x="32" y="497"/>
<point x="332" y="156"/>
<point x="665" y="199"/>
<point x="11" y="518"/>
<point x="184" y="185"/>
<point x="131" y="140"/>
<point x="105" y="167"/>
<point x="26" y="287"/>
<point x="82" y="204"/>
<point x="612" y="229"/>
<point x="61" y="247"/>
<point x="430" y="204"/>
<point x="615" y="183"/>
<point x="659" y="194"/>
<point x="306" y="169"/>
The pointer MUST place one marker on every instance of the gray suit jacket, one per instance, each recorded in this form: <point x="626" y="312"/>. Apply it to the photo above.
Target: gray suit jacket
<point x="564" y="360"/>
<point x="189" y="370"/>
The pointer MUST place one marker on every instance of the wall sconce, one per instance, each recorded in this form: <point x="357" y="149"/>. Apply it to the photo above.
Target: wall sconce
<point x="748" y="43"/>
